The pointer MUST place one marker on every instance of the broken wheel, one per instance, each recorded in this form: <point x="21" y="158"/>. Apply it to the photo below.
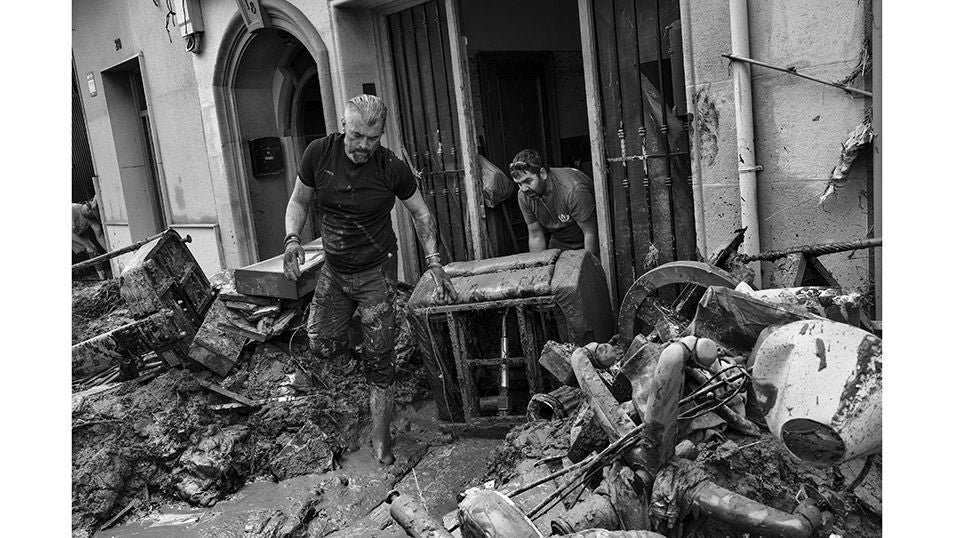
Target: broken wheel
<point x="665" y="294"/>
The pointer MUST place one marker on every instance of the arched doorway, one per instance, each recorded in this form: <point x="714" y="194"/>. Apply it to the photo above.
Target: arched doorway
<point x="274" y="88"/>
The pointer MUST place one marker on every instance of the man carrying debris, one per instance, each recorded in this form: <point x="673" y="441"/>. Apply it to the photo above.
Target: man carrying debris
<point x="555" y="200"/>
<point x="355" y="181"/>
<point x="88" y="233"/>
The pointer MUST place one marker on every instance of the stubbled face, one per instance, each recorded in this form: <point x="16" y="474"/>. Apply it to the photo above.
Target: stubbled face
<point x="533" y="185"/>
<point x="360" y="139"/>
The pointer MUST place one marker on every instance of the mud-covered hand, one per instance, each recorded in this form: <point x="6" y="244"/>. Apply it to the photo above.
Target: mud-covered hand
<point x="445" y="288"/>
<point x="294" y="258"/>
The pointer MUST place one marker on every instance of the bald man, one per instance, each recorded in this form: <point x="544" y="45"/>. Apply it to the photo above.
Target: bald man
<point x="355" y="181"/>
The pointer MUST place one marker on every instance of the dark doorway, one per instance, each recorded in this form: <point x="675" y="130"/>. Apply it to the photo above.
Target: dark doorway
<point x="526" y="73"/>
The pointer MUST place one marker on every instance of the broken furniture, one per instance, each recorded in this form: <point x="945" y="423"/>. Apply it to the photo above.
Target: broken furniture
<point x="168" y="295"/>
<point x="267" y="277"/>
<point x="484" y="348"/>
<point x="255" y="303"/>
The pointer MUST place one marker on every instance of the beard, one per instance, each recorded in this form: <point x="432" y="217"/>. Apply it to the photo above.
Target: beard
<point x="359" y="156"/>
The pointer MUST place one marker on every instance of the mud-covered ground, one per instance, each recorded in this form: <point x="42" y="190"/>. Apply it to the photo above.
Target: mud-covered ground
<point x="160" y="440"/>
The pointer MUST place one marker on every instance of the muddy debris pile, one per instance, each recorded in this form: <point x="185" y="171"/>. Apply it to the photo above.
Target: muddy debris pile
<point x="185" y="434"/>
<point x="758" y="415"/>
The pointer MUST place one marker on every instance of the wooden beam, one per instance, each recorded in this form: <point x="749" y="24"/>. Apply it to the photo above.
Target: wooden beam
<point x="408" y="264"/>
<point x="468" y="135"/>
<point x="597" y="149"/>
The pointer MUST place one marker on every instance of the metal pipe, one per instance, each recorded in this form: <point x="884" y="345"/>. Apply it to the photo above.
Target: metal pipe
<point x="812" y="250"/>
<point x="792" y="71"/>
<point x="745" y="131"/>
<point x="698" y="205"/>
<point x="745" y="514"/>
<point x="129" y="248"/>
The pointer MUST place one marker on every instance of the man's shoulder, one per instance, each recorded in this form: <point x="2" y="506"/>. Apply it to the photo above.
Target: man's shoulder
<point x="572" y="180"/>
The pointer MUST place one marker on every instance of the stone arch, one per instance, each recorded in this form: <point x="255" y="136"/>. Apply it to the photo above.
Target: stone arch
<point x="235" y="41"/>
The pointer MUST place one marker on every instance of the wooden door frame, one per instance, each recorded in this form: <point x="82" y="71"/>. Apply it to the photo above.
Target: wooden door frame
<point x="467" y="135"/>
<point x="594" y="108"/>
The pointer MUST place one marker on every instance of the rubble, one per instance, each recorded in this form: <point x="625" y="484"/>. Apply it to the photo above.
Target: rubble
<point x="627" y="437"/>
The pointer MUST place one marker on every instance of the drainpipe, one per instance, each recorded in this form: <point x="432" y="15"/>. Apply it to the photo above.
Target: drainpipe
<point x="690" y="71"/>
<point x="745" y="131"/>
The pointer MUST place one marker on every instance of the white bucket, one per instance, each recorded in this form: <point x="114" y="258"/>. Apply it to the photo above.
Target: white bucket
<point x="818" y="384"/>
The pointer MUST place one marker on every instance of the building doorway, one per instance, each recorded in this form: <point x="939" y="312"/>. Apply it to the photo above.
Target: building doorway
<point x="526" y="75"/>
<point x="135" y="150"/>
<point x="279" y="110"/>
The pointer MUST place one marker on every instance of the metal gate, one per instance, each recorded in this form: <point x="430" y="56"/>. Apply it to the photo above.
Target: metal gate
<point x="82" y="159"/>
<point x="429" y="125"/>
<point x="648" y="175"/>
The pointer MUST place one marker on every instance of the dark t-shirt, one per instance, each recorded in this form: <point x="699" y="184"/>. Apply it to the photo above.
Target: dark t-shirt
<point x="568" y="200"/>
<point x="355" y="201"/>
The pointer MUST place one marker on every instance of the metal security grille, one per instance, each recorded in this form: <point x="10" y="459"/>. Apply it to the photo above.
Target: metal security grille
<point x="82" y="159"/>
<point x="422" y="70"/>
<point x="645" y="134"/>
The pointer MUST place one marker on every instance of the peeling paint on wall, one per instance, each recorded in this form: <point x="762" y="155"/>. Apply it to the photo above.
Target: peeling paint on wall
<point x="706" y="121"/>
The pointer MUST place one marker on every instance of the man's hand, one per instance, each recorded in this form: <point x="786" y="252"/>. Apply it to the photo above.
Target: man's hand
<point x="445" y="288"/>
<point x="294" y="257"/>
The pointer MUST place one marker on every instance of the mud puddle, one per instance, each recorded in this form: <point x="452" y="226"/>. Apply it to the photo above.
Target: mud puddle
<point x="431" y="467"/>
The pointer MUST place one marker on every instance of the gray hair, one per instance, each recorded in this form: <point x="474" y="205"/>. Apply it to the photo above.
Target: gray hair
<point x="371" y="108"/>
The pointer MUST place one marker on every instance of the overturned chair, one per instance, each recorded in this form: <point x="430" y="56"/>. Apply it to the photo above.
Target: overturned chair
<point x="481" y="352"/>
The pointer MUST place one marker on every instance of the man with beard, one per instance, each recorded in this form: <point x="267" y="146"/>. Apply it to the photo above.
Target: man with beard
<point x="355" y="181"/>
<point x="555" y="200"/>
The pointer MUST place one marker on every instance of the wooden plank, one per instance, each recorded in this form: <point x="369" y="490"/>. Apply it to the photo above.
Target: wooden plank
<point x="468" y="396"/>
<point x="528" y="341"/>
<point x="429" y="112"/>
<point x="422" y="127"/>
<point x="594" y="105"/>
<point x="604" y="16"/>
<point x="447" y="136"/>
<point x="408" y="265"/>
<point x="409" y="119"/>
<point x="468" y="137"/>
<point x="634" y="117"/>
<point x="218" y="389"/>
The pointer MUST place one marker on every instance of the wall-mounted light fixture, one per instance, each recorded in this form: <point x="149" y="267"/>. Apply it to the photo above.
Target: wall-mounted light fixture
<point x="188" y="17"/>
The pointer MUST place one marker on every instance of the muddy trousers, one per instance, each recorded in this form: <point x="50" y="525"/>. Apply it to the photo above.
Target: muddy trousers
<point x="337" y="297"/>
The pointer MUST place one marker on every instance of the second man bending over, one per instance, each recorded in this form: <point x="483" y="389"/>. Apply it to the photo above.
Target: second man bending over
<point x="555" y="200"/>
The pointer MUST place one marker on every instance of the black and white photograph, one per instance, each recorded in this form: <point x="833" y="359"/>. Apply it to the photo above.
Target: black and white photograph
<point x="478" y="268"/>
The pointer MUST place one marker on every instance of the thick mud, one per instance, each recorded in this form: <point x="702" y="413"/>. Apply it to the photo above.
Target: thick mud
<point x="167" y="439"/>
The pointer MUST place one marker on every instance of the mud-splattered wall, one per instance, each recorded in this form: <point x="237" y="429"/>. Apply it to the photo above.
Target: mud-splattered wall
<point x="799" y="126"/>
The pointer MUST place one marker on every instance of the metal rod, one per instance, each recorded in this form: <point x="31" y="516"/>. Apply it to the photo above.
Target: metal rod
<point x="792" y="71"/>
<point x="110" y="255"/>
<point x="811" y="250"/>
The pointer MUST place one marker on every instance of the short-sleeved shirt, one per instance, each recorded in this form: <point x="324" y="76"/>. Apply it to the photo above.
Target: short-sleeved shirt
<point x="569" y="199"/>
<point x="354" y="201"/>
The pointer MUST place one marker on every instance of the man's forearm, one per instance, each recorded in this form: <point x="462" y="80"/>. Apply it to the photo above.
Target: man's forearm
<point x="591" y="242"/>
<point x="426" y="230"/>
<point x="537" y="243"/>
<point x="295" y="215"/>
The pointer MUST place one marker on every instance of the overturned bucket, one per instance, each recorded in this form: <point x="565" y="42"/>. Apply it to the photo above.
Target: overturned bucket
<point x="818" y="384"/>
